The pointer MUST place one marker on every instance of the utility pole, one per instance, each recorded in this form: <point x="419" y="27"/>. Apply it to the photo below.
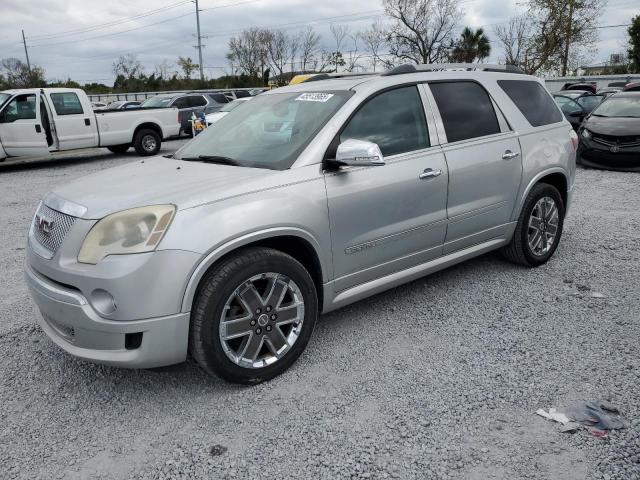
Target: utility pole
<point x="26" y="52"/>
<point x="567" y="39"/>
<point x="199" y="47"/>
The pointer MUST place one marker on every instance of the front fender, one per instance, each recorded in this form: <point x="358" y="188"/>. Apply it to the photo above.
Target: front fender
<point x="239" y="242"/>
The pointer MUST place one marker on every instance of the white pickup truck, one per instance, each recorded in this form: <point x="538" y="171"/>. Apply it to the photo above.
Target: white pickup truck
<point x="40" y="121"/>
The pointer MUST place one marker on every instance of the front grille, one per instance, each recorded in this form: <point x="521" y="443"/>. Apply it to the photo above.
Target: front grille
<point x="50" y="227"/>
<point x="622" y="141"/>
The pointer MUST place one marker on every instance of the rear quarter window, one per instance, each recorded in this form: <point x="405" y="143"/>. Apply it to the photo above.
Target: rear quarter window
<point x="66" y="103"/>
<point x="533" y="101"/>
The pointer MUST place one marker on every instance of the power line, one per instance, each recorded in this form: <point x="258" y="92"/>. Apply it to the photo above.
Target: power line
<point x="107" y="24"/>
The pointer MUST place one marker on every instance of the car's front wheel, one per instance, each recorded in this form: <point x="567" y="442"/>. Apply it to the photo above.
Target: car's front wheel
<point x="539" y="227"/>
<point x="253" y="316"/>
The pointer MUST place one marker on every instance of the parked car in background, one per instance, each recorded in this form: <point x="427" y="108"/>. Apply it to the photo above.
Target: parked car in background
<point x="312" y="197"/>
<point x="212" y="118"/>
<point x="37" y="122"/>
<point x="606" y="91"/>
<point x="188" y="104"/>
<point x="123" y="105"/>
<point x="632" y="87"/>
<point x="617" y="84"/>
<point x="576" y="108"/>
<point x="610" y="136"/>
<point x="584" y="86"/>
<point x="96" y="105"/>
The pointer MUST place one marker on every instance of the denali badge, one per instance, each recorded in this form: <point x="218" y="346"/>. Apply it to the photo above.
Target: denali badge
<point x="44" y="225"/>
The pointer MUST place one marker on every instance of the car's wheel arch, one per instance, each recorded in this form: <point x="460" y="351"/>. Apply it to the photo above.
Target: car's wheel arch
<point x="295" y="242"/>
<point x="555" y="176"/>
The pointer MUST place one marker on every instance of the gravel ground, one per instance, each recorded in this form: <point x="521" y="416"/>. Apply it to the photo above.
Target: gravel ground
<point x="439" y="378"/>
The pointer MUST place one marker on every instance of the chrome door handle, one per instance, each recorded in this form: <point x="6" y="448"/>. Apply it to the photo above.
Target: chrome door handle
<point x="429" y="173"/>
<point x="509" y="155"/>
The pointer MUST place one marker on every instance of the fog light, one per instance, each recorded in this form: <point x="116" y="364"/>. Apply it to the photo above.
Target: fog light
<point x="103" y="302"/>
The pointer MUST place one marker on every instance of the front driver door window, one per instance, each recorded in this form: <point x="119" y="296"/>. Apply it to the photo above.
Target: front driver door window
<point x="386" y="218"/>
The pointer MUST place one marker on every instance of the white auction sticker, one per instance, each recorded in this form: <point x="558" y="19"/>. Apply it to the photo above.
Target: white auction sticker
<point x="314" y="97"/>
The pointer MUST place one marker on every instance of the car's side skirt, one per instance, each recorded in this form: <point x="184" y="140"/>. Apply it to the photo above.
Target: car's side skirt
<point x="337" y="299"/>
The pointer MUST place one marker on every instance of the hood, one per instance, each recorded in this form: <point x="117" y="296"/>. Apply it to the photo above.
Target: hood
<point x="159" y="180"/>
<point x="214" y="117"/>
<point x="615" y="126"/>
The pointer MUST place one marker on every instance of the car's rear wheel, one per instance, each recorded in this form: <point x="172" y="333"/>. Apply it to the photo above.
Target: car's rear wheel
<point x="539" y="227"/>
<point x="253" y="316"/>
<point x="147" y="142"/>
<point x="119" y="148"/>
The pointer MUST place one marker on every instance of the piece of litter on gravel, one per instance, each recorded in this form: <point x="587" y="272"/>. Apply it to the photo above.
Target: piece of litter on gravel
<point x="598" y="417"/>
<point x="554" y="415"/>
<point x="570" y="427"/>
<point x="217" y="450"/>
<point x="597" y="295"/>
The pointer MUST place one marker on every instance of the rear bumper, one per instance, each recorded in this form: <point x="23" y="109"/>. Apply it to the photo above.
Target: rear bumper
<point x="69" y="320"/>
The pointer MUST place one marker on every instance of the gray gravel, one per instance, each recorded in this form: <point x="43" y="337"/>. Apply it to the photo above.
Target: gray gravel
<point x="436" y="379"/>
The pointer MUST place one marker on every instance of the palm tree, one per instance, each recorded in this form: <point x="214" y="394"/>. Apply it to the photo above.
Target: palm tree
<point x="471" y="46"/>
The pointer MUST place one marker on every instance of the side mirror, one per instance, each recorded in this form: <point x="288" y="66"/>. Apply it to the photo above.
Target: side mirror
<point x="577" y="113"/>
<point x="359" y="153"/>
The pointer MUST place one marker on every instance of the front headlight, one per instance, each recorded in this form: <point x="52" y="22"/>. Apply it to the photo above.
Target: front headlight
<point x="586" y="133"/>
<point x="131" y="231"/>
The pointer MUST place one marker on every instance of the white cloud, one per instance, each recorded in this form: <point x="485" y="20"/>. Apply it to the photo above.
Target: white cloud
<point x="87" y="56"/>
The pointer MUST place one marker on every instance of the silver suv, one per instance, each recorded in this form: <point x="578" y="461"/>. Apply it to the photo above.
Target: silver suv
<point x="306" y="199"/>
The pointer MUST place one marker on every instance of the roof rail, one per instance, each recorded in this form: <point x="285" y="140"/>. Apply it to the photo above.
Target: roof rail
<point x="436" y="67"/>
<point x="330" y="76"/>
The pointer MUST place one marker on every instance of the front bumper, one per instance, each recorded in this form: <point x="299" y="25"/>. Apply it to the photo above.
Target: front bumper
<point x="593" y="154"/>
<point x="69" y="320"/>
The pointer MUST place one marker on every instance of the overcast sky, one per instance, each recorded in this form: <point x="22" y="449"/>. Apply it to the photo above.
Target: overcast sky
<point x="80" y="39"/>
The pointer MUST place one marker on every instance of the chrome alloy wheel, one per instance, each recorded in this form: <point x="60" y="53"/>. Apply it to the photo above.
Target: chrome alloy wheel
<point x="261" y="320"/>
<point x="543" y="226"/>
<point x="149" y="143"/>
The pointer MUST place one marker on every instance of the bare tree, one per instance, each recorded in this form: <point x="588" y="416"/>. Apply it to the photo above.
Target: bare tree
<point x="422" y="29"/>
<point x="16" y="74"/>
<point x="248" y="51"/>
<point x="278" y="48"/>
<point x="162" y="69"/>
<point x="375" y="39"/>
<point x="128" y="66"/>
<point x="339" y="33"/>
<point x="516" y="39"/>
<point x="352" y="57"/>
<point x="309" y="44"/>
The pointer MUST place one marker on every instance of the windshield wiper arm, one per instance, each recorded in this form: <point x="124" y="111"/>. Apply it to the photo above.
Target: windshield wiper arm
<point x="212" y="159"/>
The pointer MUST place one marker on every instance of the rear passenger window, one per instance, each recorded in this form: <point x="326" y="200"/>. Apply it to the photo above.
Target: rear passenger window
<point x="181" y="102"/>
<point x="394" y="120"/>
<point x="197" y="101"/>
<point x="66" y="103"/>
<point x="466" y="110"/>
<point x="533" y="101"/>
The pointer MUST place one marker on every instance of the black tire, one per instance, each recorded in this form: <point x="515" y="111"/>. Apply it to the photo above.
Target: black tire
<point x="147" y="142"/>
<point x="119" y="148"/>
<point x="205" y="344"/>
<point x="519" y="251"/>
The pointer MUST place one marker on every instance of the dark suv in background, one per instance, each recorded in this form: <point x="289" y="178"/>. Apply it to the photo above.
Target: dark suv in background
<point x="187" y="105"/>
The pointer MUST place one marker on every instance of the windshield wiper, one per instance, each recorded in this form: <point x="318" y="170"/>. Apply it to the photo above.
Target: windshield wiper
<point x="212" y="159"/>
<point x="598" y="115"/>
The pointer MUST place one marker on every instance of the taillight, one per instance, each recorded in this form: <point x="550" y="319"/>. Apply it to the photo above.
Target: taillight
<point x="574" y="140"/>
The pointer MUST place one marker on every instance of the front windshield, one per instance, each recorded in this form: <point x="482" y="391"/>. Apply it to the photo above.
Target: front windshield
<point x="617" y="106"/>
<point x="4" y="97"/>
<point x="270" y="132"/>
<point x="156" y="102"/>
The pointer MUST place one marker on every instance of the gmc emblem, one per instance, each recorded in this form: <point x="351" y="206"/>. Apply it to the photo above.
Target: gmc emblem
<point x="44" y="225"/>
